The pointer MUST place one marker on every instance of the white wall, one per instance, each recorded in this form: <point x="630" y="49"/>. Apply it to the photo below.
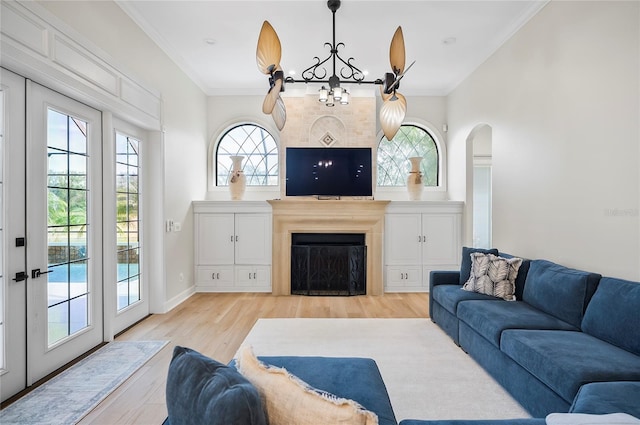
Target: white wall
<point x="184" y="121"/>
<point x="562" y="98"/>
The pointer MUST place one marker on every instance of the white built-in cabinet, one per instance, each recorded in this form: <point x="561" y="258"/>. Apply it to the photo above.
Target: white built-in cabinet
<point x="232" y="246"/>
<point x="420" y="236"/>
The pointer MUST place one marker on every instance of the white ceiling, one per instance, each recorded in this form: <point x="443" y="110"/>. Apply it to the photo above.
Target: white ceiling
<point x="228" y="66"/>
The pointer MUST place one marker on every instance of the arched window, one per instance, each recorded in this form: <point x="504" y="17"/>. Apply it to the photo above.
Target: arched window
<point x="393" y="156"/>
<point x="260" y="151"/>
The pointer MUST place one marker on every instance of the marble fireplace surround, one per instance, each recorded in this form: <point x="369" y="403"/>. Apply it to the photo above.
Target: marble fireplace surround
<point x="326" y="216"/>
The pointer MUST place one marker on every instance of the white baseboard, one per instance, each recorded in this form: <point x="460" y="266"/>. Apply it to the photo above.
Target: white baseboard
<point x="179" y="299"/>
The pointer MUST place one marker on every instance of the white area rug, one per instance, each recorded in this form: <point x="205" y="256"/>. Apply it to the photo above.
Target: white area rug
<point x="426" y="374"/>
<point x="69" y="396"/>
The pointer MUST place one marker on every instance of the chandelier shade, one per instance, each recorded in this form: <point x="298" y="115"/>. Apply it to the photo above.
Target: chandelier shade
<point x="392" y="114"/>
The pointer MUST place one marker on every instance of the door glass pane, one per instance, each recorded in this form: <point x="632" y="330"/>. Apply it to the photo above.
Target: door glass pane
<point x="68" y="221"/>
<point x="128" y="220"/>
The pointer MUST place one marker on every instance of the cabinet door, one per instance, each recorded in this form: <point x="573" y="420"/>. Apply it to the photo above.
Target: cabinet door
<point x="253" y="278"/>
<point x="402" y="239"/>
<point x="214" y="239"/>
<point x="441" y="239"/>
<point x="404" y="279"/>
<point x="253" y="239"/>
<point x="218" y="278"/>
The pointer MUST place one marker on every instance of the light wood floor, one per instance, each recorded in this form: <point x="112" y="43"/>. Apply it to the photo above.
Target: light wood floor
<point x="215" y="325"/>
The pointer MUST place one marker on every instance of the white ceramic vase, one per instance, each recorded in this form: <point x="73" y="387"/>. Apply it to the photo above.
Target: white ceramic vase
<point x="237" y="179"/>
<point x="414" y="180"/>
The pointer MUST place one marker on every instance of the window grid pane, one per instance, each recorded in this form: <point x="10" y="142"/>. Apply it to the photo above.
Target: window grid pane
<point x="260" y="151"/>
<point x="127" y="221"/>
<point x="68" y="223"/>
<point x="393" y="156"/>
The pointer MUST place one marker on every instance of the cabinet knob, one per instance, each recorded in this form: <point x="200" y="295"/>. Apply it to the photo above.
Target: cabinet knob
<point x="419" y="238"/>
<point x="213" y="276"/>
<point x="236" y="238"/>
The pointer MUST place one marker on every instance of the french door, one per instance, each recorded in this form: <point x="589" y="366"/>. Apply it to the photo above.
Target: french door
<point x="13" y="282"/>
<point x="70" y="219"/>
<point x="132" y="288"/>
<point x="64" y="230"/>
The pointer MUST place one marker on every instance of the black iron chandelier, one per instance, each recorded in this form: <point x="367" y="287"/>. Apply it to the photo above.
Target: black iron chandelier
<point x="317" y="73"/>
<point x="268" y="54"/>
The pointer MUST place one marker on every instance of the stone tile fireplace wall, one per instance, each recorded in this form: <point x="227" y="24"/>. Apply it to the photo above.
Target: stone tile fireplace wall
<point x="310" y="121"/>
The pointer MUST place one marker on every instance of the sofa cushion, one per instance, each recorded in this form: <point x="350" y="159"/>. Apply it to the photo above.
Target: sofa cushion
<point x="493" y="275"/>
<point x="490" y="319"/>
<point x="565" y="360"/>
<point x="613" y="314"/>
<point x="201" y="390"/>
<point x="608" y="397"/>
<point x="289" y="400"/>
<point x="559" y="291"/>
<point x="465" y="263"/>
<point x="448" y="296"/>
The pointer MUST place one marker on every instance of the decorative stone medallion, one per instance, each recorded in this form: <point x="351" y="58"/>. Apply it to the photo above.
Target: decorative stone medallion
<point x="327" y="139"/>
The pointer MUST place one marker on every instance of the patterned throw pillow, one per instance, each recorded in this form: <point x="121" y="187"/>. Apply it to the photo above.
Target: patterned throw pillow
<point x="289" y="400"/>
<point x="493" y="275"/>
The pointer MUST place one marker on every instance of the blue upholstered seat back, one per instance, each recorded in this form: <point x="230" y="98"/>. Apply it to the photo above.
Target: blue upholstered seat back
<point x="559" y="290"/>
<point x="613" y="314"/>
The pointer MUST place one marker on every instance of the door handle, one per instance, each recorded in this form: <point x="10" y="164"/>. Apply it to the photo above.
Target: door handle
<point x="419" y="238"/>
<point x="254" y="275"/>
<point x="20" y="276"/>
<point x="36" y="273"/>
<point x="236" y="238"/>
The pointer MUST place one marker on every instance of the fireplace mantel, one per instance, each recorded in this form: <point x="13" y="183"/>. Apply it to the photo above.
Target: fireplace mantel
<point x="327" y="216"/>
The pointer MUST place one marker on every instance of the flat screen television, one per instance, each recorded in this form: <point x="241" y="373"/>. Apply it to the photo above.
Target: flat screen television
<point x="328" y="172"/>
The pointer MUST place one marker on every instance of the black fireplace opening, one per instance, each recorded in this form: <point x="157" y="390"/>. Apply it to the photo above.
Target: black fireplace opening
<point x="328" y="264"/>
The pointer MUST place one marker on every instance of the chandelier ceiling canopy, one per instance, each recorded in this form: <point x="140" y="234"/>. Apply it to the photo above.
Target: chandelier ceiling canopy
<point x="268" y="55"/>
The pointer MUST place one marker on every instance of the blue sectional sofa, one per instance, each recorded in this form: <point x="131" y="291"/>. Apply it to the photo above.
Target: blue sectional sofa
<point x="569" y="340"/>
